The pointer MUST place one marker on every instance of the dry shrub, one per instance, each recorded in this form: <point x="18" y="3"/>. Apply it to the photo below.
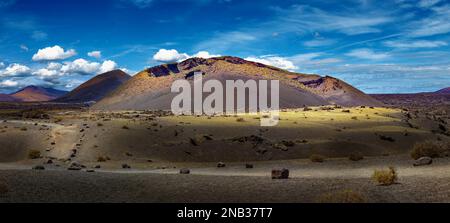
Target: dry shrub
<point x="240" y="120"/>
<point x="99" y="124"/>
<point x="317" y="158"/>
<point x="3" y="189"/>
<point x="35" y="114"/>
<point x="125" y="127"/>
<point x="355" y="157"/>
<point x="23" y="129"/>
<point x="345" y="196"/>
<point x="385" y="177"/>
<point x="101" y="159"/>
<point x="428" y="148"/>
<point x="34" y="154"/>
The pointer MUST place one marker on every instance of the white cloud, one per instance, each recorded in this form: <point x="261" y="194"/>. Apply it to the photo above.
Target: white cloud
<point x="301" y="18"/>
<point x="96" y="54"/>
<point x="46" y="73"/>
<point x="2" y="64"/>
<point x="54" y="66"/>
<point x="15" y="70"/>
<point x="415" y="44"/>
<point x="275" y="61"/>
<point x="84" y="67"/>
<point x="169" y="56"/>
<point x="140" y="3"/>
<point x="435" y="24"/>
<point x="318" y="42"/>
<point x="223" y="41"/>
<point x="80" y="66"/>
<point x="73" y="83"/>
<point x="428" y="3"/>
<point x="367" y="54"/>
<point x="24" y="48"/>
<point x="53" y="53"/>
<point x="9" y="83"/>
<point x="205" y="54"/>
<point x="107" y="65"/>
<point x="39" y="35"/>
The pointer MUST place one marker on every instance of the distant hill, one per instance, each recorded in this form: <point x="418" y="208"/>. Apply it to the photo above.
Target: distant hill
<point x="7" y="98"/>
<point x="150" y="89"/>
<point x="96" y="88"/>
<point x="444" y="91"/>
<point x="36" y="93"/>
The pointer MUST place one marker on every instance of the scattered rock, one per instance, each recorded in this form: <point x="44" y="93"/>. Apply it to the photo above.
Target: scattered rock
<point x="423" y="161"/>
<point x="126" y="166"/>
<point x="49" y="161"/>
<point x="38" y="167"/>
<point x="185" y="171"/>
<point x="74" y="168"/>
<point x="249" y="166"/>
<point x="90" y="170"/>
<point x="97" y="167"/>
<point x="280" y="173"/>
<point x="288" y="143"/>
<point x="220" y="165"/>
<point x="280" y="146"/>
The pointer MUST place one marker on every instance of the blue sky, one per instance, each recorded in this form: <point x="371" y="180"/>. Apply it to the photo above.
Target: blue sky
<point x="396" y="46"/>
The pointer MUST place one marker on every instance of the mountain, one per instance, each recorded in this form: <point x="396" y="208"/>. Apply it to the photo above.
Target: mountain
<point x="444" y="91"/>
<point x="7" y="98"/>
<point x="97" y="87"/>
<point x="150" y="89"/>
<point x="36" y="93"/>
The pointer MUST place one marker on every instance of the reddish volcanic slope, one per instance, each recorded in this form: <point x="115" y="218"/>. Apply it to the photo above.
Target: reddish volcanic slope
<point x="444" y="91"/>
<point x="97" y="87"/>
<point x="7" y="98"/>
<point x="36" y="93"/>
<point x="150" y="89"/>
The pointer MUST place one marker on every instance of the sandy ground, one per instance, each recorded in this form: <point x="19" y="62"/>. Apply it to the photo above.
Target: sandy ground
<point x="157" y="147"/>
<point x="308" y="182"/>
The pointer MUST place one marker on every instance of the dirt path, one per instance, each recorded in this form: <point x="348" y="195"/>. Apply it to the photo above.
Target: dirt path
<point x="64" y="138"/>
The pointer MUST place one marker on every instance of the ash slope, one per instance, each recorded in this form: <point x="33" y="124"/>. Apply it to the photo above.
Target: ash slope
<point x="97" y="87"/>
<point x="37" y="94"/>
<point x="150" y="89"/>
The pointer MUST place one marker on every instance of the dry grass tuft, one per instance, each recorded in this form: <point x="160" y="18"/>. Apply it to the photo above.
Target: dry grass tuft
<point x="385" y="177"/>
<point x="101" y="159"/>
<point x="240" y="120"/>
<point x="428" y="148"/>
<point x="3" y="189"/>
<point x="356" y="157"/>
<point x="317" y="158"/>
<point x="34" y="154"/>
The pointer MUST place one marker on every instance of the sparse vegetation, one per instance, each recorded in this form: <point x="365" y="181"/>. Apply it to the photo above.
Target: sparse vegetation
<point x="125" y="127"/>
<point x="385" y="177"/>
<point x="240" y="120"/>
<point x="387" y="138"/>
<point x="3" y="189"/>
<point x="23" y="129"/>
<point x="99" y="124"/>
<point x="34" y="154"/>
<point x="101" y="159"/>
<point x="428" y="148"/>
<point x="356" y="157"/>
<point x="345" y="196"/>
<point x="316" y="158"/>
